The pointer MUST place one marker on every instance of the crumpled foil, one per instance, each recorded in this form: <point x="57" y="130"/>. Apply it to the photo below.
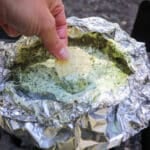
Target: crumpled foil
<point x="103" y="124"/>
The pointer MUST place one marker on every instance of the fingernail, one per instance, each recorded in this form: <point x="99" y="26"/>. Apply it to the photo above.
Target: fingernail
<point x="64" y="53"/>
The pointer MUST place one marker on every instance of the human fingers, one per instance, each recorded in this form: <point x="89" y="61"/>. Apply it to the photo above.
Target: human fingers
<point x="51" y="39"/>
<point x="10" y="31"/>
<point x="61" y="24"/>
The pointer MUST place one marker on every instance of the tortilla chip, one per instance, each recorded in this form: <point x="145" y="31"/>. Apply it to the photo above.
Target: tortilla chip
<point x="79" y="63"/>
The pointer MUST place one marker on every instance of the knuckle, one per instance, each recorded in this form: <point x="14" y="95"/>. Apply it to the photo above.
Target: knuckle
<point x="58" y="9"/>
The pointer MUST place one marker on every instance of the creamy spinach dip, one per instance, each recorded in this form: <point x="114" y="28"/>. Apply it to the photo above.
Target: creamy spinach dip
<point x="94" y="73"/>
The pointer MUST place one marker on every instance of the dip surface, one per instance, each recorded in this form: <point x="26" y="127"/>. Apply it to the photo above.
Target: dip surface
<point x="86" y="75"/>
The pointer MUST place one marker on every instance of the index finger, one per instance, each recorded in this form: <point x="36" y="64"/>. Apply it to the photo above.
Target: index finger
<point x="61" y="23"/>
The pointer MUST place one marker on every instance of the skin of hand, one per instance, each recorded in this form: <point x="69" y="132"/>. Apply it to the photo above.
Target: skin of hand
<point x="44" y="18"/>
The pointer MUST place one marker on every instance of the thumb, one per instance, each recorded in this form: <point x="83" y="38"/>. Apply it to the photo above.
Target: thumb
<point x="51" y="39"/>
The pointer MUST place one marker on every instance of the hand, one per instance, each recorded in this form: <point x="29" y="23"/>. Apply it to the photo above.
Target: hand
<point x="44" y="18"/>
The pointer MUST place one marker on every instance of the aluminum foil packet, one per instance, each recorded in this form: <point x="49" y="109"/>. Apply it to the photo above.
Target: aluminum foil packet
<point x="99" y="110"/>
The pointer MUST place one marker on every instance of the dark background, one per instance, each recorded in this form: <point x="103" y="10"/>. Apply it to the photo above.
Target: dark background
<point x="120" y="11"/>
<point x="123" y="12"/>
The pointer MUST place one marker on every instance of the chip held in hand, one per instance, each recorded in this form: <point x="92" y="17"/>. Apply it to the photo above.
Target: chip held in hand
<point x="79" y="63"/>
